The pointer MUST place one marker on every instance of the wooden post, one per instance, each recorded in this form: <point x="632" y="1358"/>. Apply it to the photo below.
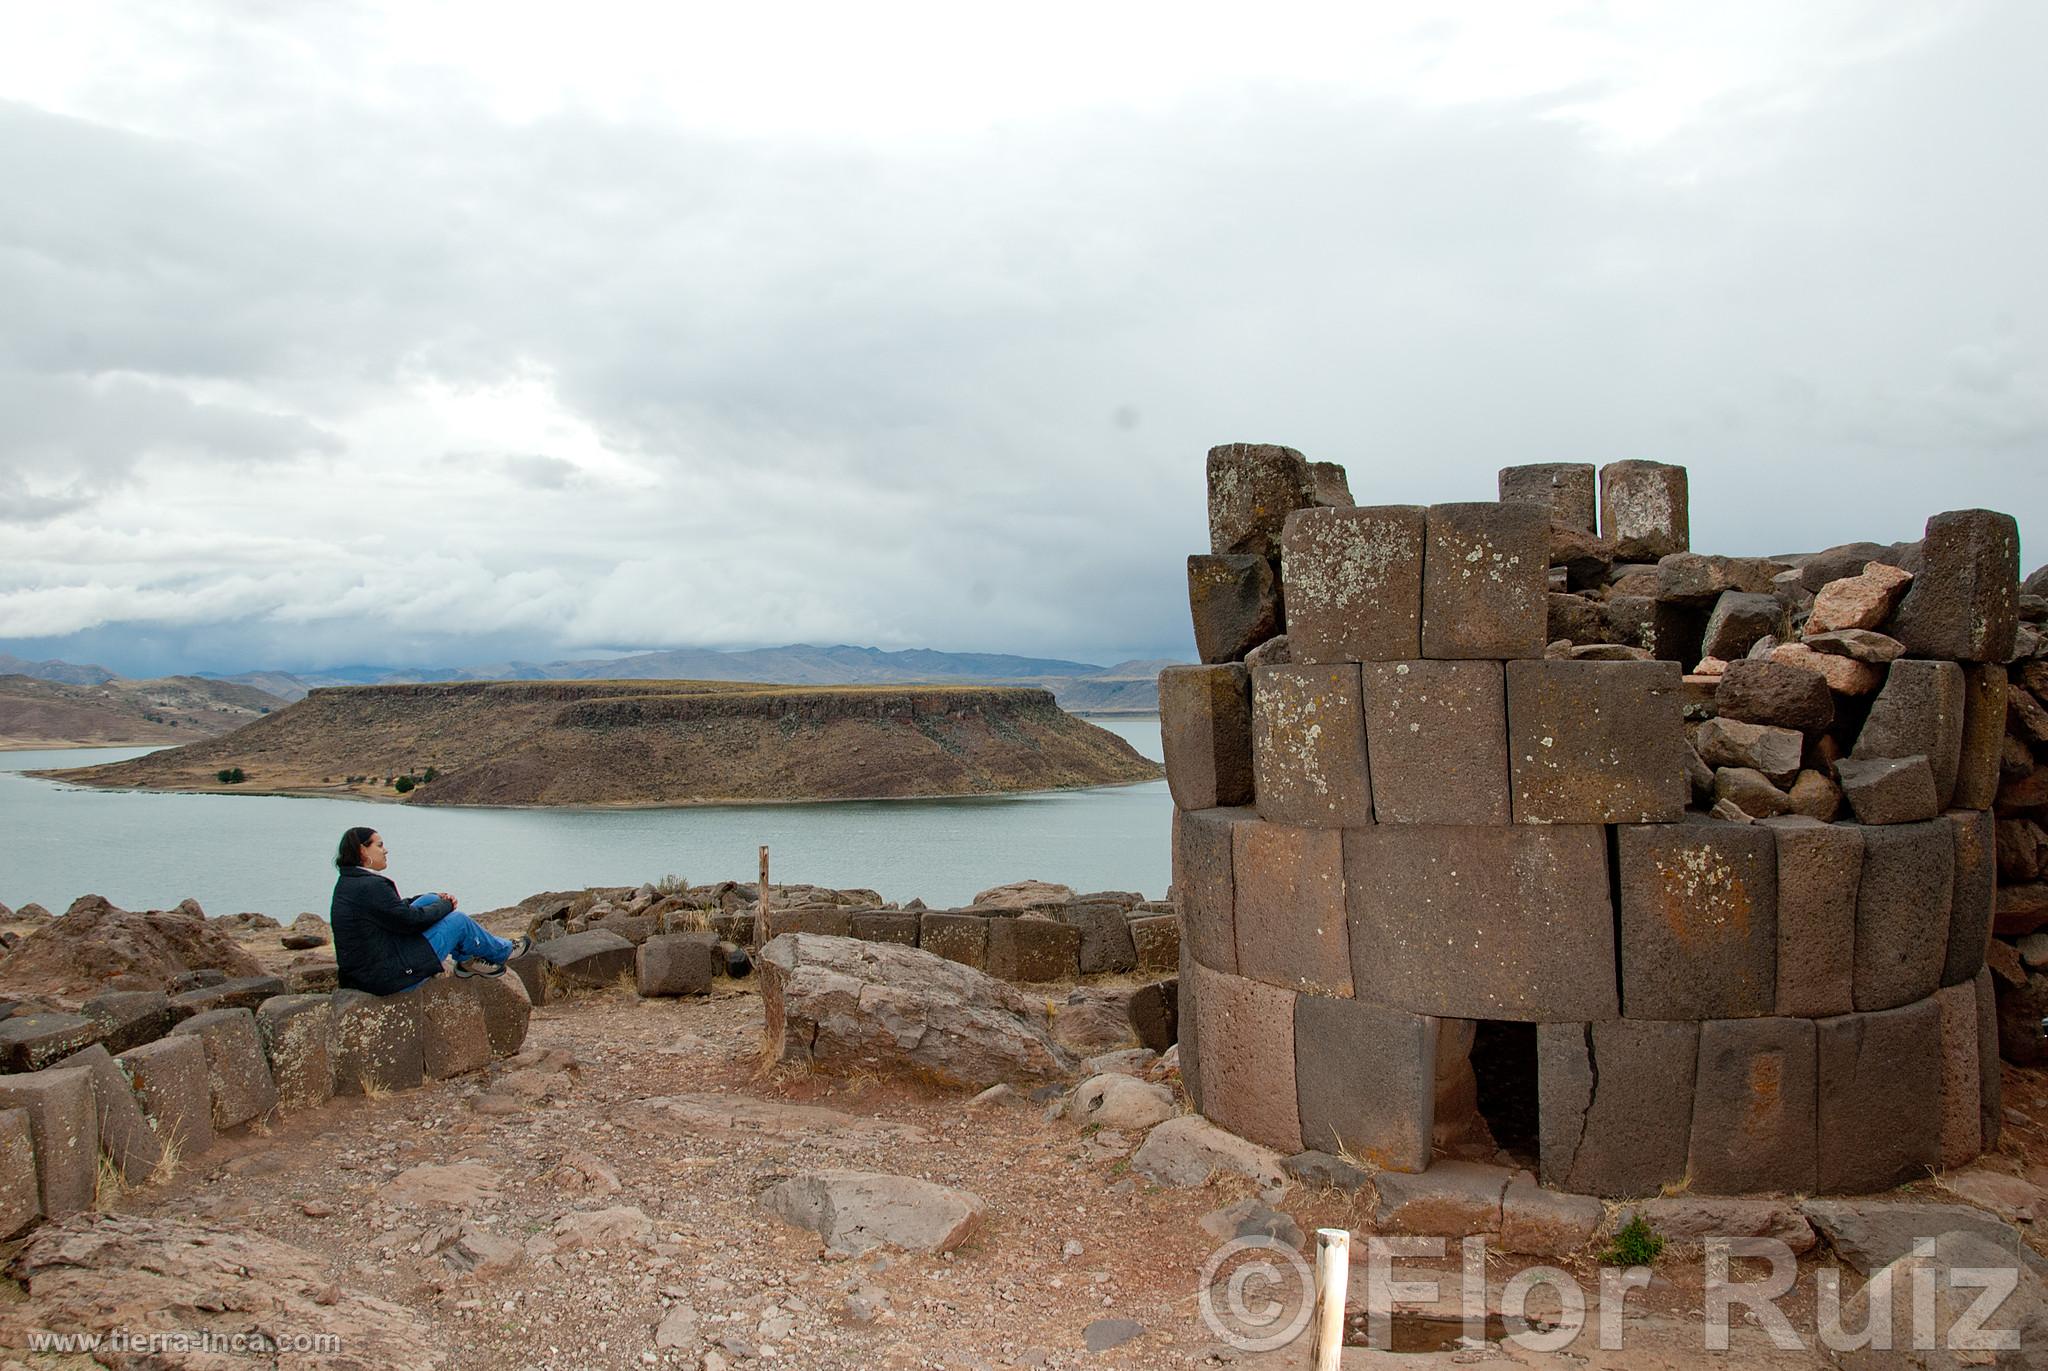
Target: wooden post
<point x="761" y="903"/>
<point x="1333" y="1281"/>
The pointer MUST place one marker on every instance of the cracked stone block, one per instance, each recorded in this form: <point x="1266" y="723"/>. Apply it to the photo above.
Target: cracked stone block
<point x="1888" y="790"/>
<point x="1365" y="1079"/>
<point x="1235" y="602"/>
<point x="129" y="1018"/>
<point x="1204" y="875"/>
<point x="1510" y="922"/>
<point x="1452" y="1199"/>
<point x="1596" y="742"/>
<point x="1038" y="950"/>
<point x="169" y="1076"/>
<point x="1820" y="870"/>
<point x="1568" y="492"/>
<point x="1106" y="946"/>
<point x="1157" y="939"/>
<point x="32" y="1041"/>
<point x="1991" y="1077"/>
<point x="378" y="1043"/>
<point x="1753" y="1107"/>
<point x="506" y="1011"/>
<point x="1436" y="740"/>
<point x="21" y="1197"/>
<point x="1879" y="1097"/>
<point x="885" y="927"/>
<point x="125" y="1133"/>
<point x="1902" y="912"/>
<point x="1308" y="746"/>
<point x="1699" y="920"/>
<point x="679" y="964"/>
<point x="1962" y="1092"/>
<point x="1984" y="709"/>
<point x="1963" y="605"/>
<point x="1291" y="927"/>
<point x="1205" y="731"/>
<point x="1485" y="581"/>
<point x="63" y="1120"/>
<point x="453" y="1035"/>
<point x="1253" y="487"/>
<point x="1645" y="510"/>
<point x="1249" y="1088"/>
<point x="1352" y="579"/>
<point x="1615" y="1104"/>
<point x="237" y="1076"/>
<point x="961" y="938"/>
<point x="1976" y="883"/>
<point x="1542" y="1223"/>
<point x="298" y="1033"/>
<point x="1919" y="712"/>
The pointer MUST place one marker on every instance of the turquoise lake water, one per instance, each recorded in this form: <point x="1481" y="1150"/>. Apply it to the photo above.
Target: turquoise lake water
<point x="274" y="854"/>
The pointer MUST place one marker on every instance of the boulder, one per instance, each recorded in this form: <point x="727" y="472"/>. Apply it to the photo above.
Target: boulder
<point x="95" y="942"/>
<point x="858" y="1211"/>
<point x="1043" y="897"/>
<point x="1862" y="601"/>
<point x="594" y="959"/>
<point x="453" y="1035"/>
<point x="377" y="1044"/>
<point x="843" y="1005"/>
<point x="1870" y="1234"/>
<point x="1185" y="1152"/>
<point x="1761" y="691"/>
<point x="307" y="931"/>
<point x="677" y="964"/>
<point x="1114" y="1100"/>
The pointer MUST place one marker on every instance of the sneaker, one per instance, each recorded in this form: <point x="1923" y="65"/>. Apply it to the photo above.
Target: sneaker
<point x="521" y="945"/>
<point x="477" y="966"/>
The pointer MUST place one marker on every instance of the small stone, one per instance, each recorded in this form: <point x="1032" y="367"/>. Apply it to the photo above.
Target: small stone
<point x="1844" y="675"/>
<point x="1864" y="601"/>
<point x="1103" y="1334"/>
<point x="1860" y="644"/>
<point x="1888" y="790"/>
<point x="316" y="1209"/>
<point x="1775" y="752"/>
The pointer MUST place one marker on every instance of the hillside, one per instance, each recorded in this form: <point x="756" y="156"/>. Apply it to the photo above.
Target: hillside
<point x="1081" y="687"/>
<point x="648" y="743"/>
<point x="46" y="713"/>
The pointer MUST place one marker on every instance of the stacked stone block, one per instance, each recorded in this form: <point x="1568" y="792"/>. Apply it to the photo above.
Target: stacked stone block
<point x="1417" y="813"/>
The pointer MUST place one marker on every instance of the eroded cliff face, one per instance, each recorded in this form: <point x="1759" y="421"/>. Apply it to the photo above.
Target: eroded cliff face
<point x="650" y="743"/>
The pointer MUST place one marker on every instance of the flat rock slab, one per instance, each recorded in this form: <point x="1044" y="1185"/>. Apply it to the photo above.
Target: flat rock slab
<point x="128" y="1018"/>
<point x="1685" y="1222"/>
<point x="1436" y="740"/>
<point x="859" y="1211"/>
<point x="243" y="992"/>
<point x="1205" y="733"/>
<point x="1544" y="1223"/>
<point x="169" y="1078"/>
<point x="1699" y="920"/>
<point x="1869" y="1234"/>
<point x="1452" y="1199"/>
<point x="1353" y="583"/>
<point x="1950" y="1308"/>
<point x="64" y="1122"/>
<point x="1596" y="742"/>
<point x="433" y="1185"/>
<point x="1187" y="1151"/>
<point x="30" y="1042"/>
<point x="237" y="1074"/>
<point x="845" y="1005"/>
<point x="378" y="1046"/>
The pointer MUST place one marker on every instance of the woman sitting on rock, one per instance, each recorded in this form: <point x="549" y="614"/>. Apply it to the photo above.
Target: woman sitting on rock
<point x="384" y="944"/>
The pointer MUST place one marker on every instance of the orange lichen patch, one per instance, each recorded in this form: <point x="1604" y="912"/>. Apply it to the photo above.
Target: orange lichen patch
<point x="1701" y="897"/>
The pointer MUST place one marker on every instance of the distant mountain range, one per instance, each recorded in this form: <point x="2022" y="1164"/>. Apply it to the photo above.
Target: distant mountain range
<point x="1079" y="687"/>
<point x="38" y="711"/>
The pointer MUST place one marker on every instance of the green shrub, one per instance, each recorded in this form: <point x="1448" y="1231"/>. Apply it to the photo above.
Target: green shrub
<point x="1635" y="1244"/>
<point x="231" y="776"/>
<point x="402" y="784"/>
<point x="432" y="773"/>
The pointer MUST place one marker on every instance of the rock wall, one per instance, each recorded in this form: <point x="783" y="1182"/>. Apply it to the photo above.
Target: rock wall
<point x="1443" y="766"/>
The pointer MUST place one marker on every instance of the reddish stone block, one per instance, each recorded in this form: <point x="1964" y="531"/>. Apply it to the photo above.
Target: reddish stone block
<point x="1436" y="738"/>
<point x="961" y="938"/>
<point x="1365" y="1079"/>
<point x="1187" y="1025"/>
<point x="1902" y="912"/>
<point x="1568" y="492"/>
<point x="1753" y="1107"/>
<point x="1253" y="487"/>
<point x="1970" y="909"/>
<point x="169" y="1075"/>
<point x="1918" y="713"/>
<point x="1645" y="510"/>
<point x="1235" y="602"/>
<point x="1204" y="876"/>
<point x="237" y="1074"/>
<point x="1205" y="730"/>
<point x="1506" y="922"/>
<point x="377" y="1043"/>
<point x="1615" y="1104"/>
<point x="1699" y="920"/>
<point x="1879" y="1098"/>
<point x="1596" y="742"/>
<point x="1984" y="709"/>
<point x="1485" y="581"/>
<point x="1290" y="908"/>
<point x="453" y="1035"/>
<point x="1033" y="950"/>
<point x="1962" y="1090"/>
<point x="126" y="1136"/>
<point x="1248" y="1084"/>
<point x="1157" y="939"/>
<point x="1353" y="584"/>
<point x="21" y="1196"/>
<point x="1963" y="605"/>
<point x="1308" y="746"/>
<point x="297" y="1031"/>
<point x="1820" y="868"/>
<point x="64" y="1123"/>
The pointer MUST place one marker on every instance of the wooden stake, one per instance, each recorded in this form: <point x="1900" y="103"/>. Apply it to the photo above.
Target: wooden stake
<point x="1333" y="1281"/>
<point x="761" y="903"/>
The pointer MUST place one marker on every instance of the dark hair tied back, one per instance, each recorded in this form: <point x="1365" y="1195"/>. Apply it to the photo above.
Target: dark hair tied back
<point x="352" y="844"/>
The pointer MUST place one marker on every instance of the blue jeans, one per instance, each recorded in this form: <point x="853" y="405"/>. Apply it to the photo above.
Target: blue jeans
<point x="456" y="934"/>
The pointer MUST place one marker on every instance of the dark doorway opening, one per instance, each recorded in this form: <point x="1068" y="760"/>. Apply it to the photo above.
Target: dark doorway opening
<point x="1504" y="1061"/>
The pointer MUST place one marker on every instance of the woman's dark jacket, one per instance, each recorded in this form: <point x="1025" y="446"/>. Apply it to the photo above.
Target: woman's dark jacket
<point x="377" y="942"/>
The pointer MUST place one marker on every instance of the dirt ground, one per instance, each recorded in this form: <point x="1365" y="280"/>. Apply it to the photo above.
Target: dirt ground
<point x="665" y="1106"/>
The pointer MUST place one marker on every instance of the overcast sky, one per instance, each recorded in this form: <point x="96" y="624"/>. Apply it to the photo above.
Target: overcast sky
<point x="436" y="334"/>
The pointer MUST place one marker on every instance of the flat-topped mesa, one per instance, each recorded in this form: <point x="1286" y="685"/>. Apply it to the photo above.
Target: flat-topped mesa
<point x="1481" y="854"/>
<point x="649" y="743"/>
